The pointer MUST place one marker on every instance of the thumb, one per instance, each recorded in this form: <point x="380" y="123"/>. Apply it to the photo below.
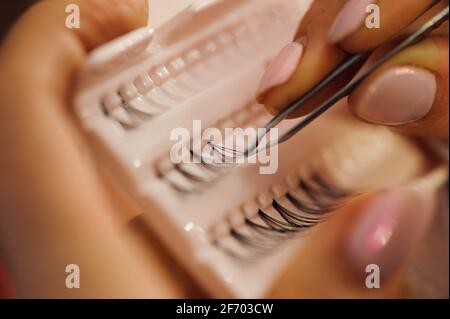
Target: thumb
<point x="55" y="208"/>
<point x="363" y="246"/>
<point x="410" y="92"/>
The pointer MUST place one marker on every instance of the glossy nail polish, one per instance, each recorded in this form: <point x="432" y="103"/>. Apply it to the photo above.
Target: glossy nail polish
<point x="348" y="20"/>
<point x="388" y="229"/>
<point x="282" y="67"/>
<point x="398" y="96"/>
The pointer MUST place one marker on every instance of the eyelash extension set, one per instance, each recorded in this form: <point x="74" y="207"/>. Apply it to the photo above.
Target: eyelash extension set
<point x="234" y="229"/>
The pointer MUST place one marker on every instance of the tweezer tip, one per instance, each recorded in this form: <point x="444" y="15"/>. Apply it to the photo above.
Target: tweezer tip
<point x="226" y="151"/>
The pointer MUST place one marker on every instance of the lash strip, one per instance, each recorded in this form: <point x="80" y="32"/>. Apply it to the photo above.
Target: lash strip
<point x="267" y="232"/>
<point x="328" y="189"/>
<point x="134" y="117"/>
<point x="314" y="194"/>
<point x="302" y="206"/>
<point x="169" y="89"/>
<point x="177" y="187"/>
<point x="197" y="182"/>
<point x="195" y="179"/>
<point x="294" y="219"/>
<point x="214" y="171"/>
<point x="251" y="242"/>
<point x="271" y="231"/>
<point x="178" y="90"/>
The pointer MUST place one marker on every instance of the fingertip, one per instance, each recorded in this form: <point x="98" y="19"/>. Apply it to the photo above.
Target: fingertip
<point x="395" y="96"/>
<point x="281" y="69"/>
<point x="348" y="20"/>
<point x="369" y="24"/>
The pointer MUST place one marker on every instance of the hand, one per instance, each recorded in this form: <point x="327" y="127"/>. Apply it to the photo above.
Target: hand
<point x="409" y="93"/>
<point x="58" y="207"/>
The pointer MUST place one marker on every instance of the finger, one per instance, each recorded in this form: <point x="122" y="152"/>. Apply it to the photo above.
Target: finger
<point x="42" y="34"/>
<point x="293" y="74"/>
<point x="410" y="92"/>
<point x="304" y="62"/>
<point x="381" y="230"/>
<point x="356" y="27"/>
<point x="54" y="209"/>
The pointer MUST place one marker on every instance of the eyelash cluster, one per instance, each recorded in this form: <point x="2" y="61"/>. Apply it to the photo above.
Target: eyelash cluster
<point x="190" y="178"/>
<point x="193" y="178"/>
<point x="186" y="75"/>
<point x="296" y="210"/>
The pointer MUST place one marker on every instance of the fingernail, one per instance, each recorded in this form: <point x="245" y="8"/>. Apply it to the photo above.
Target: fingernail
<point x="348" y="20"/>
<point x="282" y="67"/>
<point x="398" y="96"/>
<point x="388" y="229"/>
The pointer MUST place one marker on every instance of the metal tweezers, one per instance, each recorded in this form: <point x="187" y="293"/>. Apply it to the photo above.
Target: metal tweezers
<point x="354" y="60"/>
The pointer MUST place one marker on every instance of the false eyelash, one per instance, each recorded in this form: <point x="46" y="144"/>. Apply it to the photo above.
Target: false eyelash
<point x="188" y="182"/>
<point x="168" y="92"/>
<point x="130" y="112"/>
<point x="183" y="76"/>
<point x="263" y="233"/>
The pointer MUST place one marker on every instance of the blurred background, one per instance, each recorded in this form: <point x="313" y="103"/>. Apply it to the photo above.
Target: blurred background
<point x="9" y="11"/>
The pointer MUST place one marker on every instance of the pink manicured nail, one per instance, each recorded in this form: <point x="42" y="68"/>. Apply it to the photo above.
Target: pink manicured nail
<point x="388" y="229"/>
<point x="348" y="20"/>
<point x="282" y="67"/>
<point x="398" y="96"/>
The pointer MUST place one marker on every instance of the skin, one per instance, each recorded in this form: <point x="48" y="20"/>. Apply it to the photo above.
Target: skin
<point x="321" y="57"/>
<point x="54" y="196"/>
